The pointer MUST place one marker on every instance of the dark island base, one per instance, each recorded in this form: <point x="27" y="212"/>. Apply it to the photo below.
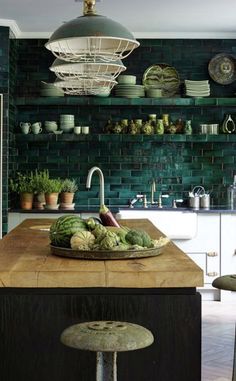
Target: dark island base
<point x="31" y="321"/>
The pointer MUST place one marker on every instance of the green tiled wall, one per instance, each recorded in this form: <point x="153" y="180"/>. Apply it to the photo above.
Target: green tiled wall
<point x="130" y="163"/>
<point x="4" y="89"/>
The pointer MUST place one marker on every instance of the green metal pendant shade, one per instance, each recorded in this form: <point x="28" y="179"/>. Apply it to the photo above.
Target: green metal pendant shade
<point x="91" y="26"/>
<point x="91" y="35"/>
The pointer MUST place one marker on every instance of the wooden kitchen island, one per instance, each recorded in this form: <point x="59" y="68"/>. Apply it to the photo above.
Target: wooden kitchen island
<point x="42" y="294"/>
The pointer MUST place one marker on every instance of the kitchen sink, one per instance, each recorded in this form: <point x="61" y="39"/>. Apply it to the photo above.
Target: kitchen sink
<point x="174" y="224"/>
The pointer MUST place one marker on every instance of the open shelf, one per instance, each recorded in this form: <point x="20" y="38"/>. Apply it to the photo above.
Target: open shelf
<point x="65" y="137"/>
<point x="115" y="101"/>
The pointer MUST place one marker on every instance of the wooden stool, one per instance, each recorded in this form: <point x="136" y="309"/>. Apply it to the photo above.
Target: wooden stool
<point x="227" y="282"/>
<point x="107" y="338"/>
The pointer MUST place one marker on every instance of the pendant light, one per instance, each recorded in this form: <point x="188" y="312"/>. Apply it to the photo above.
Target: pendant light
<point x="93" y="69"/>
<point x="86" y="86"/>
<point x="91" y="36"/>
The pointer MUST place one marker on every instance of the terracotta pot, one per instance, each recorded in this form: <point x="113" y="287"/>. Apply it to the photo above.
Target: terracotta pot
<point x="26" y="200"/>
<point x="39" y="201"/>
<point x="51" y="198"/>
<point x="66" y="197"/>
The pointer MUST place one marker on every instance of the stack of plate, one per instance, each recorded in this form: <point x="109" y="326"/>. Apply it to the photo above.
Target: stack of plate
<point x="129" y="91"/>
<point x="197" y="88"/>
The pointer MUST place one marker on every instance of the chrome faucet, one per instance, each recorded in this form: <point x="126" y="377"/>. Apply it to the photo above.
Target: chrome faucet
<point x="139" y="197"/>
<point x="101" y="179"/>
<point x="153" y="190"/>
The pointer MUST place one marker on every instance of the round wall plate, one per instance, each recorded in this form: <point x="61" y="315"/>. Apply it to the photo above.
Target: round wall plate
<point x="222" y="69"/>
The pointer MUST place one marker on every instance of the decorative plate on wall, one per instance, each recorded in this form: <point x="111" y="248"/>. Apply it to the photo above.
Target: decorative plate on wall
<point x="164" y="77"/>
<point x="222" y="69"/>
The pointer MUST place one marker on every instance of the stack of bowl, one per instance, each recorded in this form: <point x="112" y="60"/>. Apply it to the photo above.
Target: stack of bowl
<point x="50" y="90"/>
<point x="127" y="87"/>
<point x="67" y="122"/>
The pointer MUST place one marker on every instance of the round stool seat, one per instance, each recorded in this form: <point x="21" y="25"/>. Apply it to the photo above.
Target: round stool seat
<point x="107" y="336"/>
<point x="225" y="282"/>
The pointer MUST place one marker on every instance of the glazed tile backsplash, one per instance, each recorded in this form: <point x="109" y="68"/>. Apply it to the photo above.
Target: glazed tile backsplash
<point x="4" y="89"/>
<point x="130" y="163"/>
<point x="129" y="166"/>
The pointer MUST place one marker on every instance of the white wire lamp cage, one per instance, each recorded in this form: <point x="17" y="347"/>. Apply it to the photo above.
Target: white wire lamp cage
<point x="86" y="86"/>
<point x="91" y="36"/>
<point x="93" y="69"/>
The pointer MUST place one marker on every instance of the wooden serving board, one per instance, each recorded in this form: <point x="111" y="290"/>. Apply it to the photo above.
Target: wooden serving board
<point x="106" y="254"/>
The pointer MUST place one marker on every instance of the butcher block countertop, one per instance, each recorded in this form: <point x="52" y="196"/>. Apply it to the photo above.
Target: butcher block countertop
<point x="26" y="261"/>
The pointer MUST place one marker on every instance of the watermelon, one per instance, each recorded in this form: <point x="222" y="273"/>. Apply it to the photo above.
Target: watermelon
<point x="64" y="227"/>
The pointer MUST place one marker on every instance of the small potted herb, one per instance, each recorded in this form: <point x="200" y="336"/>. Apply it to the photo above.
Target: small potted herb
<point x="69" y="187"/>
<point x="40" y="178"/>
<point x="52" y="188"/>
<point x="23" y="185"/>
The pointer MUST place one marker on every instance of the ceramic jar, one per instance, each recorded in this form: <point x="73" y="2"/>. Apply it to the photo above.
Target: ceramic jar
<point x="133" y="128"/>
<point x="147" y="129"/>
<point x="166" y="121"/>
<point x="188" y="127"/>
<point x="138" y="123"/>
<point x="160" y="127"/>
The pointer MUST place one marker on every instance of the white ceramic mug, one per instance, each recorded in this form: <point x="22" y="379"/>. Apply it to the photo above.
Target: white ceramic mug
<point x="25" y="127"/>
<point x="85" y="130"/>
<point x="77" y="130"/>
<point x="36" y="128"/>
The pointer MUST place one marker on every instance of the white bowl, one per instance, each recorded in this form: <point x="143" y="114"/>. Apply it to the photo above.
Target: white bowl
<point x="127" y="79"/>
<point x="51" y="128"/>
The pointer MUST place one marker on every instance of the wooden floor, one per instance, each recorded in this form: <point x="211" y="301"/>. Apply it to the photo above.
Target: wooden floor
<point x="218" y="330"/>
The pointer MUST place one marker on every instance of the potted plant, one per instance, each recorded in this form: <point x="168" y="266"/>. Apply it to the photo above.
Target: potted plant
<point x="69" y="187"/>
<point x="40" y="178"/>
<point x="52" y="188"/>
<point x="22" y="184"/>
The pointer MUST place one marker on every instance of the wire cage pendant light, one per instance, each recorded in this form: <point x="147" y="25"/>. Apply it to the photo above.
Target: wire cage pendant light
<point x="76" y="70"/>
<point x="91" y="36"/>
<point x="86" y="86"/>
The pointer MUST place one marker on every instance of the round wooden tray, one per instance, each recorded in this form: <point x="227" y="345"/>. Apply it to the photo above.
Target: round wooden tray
<point x="106" y="254"/>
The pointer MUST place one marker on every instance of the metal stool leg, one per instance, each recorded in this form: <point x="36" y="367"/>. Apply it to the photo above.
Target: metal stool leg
<point x="106" y="366"/>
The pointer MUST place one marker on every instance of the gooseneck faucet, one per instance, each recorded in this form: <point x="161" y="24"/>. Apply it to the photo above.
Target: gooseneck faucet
<point x="153" y="190"/>
<point x="101" y="179"/>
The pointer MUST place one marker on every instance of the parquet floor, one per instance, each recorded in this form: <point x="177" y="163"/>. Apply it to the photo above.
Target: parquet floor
<point x="218" y="331"/>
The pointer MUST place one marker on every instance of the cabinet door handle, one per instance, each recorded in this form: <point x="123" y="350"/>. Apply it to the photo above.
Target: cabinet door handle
<point x="212" y="254"/>
<point x="212" y="273"/>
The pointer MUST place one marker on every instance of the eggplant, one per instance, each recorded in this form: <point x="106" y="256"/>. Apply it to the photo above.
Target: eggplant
<point x="107" y="217"/>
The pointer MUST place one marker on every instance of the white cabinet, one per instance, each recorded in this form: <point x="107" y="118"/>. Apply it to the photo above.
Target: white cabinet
<point x="228" y="251"/>
<point x="15" y="219"/>
<point x="204" y="249"/>
<point x="198" y="235"/>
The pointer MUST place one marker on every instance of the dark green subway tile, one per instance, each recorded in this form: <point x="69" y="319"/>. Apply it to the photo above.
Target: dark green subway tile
<point x="206" y="172"/>
<point x="192" y="179"/>
<point x="110" y="138"/>
<point x="227" y="166"/>
<point x="224" y="160"/>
